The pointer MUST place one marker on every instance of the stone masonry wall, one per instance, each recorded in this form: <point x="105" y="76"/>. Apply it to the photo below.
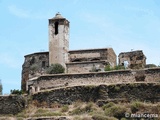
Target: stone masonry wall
<point x="83" y="67"/>
<point x="135" y="59"/>
<point x="117" y="92"/>
<point x="96" y="78"/>
<point x="107" y="54"/>
<point x="11" y="104"/>
<point x="34" y="66"/>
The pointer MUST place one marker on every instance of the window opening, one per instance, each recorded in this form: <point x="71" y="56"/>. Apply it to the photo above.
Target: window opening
<point x="56" y="27"/>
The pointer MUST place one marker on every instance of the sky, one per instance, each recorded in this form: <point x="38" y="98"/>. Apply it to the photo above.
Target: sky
<point x="120" y="24"/>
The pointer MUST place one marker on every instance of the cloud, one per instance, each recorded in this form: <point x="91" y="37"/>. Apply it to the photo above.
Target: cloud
<point x="25" y="13"/>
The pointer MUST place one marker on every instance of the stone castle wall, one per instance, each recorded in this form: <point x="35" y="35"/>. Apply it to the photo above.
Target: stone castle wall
<point x="97" y="78"/>
<point x="101" y="93"/>
<point x="106" y="54"/>
<point x="11" y="104"/>
<point x="83" y="67"/>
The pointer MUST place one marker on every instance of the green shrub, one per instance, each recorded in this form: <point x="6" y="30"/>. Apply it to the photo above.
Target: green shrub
<point x="77" y="111"/>
<point x="118" y="67"/>
<point x="150" y="66"/>
<point x="136" y="105"/>
<point x="107" y="68"/>
<point x="65" y="108"/>
<point x="55" y="69"/>
<point x="17" y="92"/>
<point x="87" y="109"/>
<point x="110" y="104"/>
<point x="44" y="112"/>
<point x="115" y="111"/>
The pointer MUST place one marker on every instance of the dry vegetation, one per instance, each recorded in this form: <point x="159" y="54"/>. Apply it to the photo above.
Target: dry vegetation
<point x="86" y="111"/>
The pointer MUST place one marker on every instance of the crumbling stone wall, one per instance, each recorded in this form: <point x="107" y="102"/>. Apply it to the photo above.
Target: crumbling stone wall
<point x="94" y="78"/>
<point x="106" y="54"/>
<point x="62" y="80"/>
<point x="11" y="104"/>
<point x="127" y="92"/>
<point x="83" y="67"/>
<point x="34" y="65"/>
<point x="135" y="59"/>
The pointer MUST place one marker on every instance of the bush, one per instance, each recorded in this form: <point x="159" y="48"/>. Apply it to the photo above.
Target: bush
<point x="65" y="108"/>
<point x="150" y="66"/>
<point x="17" y="92"/>
<point x="116" y="111"/>
<point x="110" y="104"/>
<point x="118" y="67"/>
<point x="136" y="105"/>
<point x="55" y="69"/>
<point x="107" y="68"/>
<point x="81" y="110"/>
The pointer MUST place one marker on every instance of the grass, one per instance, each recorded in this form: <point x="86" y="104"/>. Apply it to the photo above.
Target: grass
<point x="65" y="108"/>
<point x="89" y="110"/>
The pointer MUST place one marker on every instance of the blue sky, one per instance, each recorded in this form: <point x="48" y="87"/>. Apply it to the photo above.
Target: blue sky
<point x="120" y="24"/>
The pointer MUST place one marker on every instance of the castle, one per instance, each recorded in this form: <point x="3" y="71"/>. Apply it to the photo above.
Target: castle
<point x="80" y="82"/>
<point x="76" y="62"/>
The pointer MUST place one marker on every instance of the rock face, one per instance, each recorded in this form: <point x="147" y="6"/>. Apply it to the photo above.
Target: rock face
<point x="134" y="59"/>
<point x="127" y="92"/>
<point x="11" y="104"/>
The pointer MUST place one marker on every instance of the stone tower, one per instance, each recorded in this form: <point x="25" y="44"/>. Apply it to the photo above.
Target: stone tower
<point x="58" y="40"/>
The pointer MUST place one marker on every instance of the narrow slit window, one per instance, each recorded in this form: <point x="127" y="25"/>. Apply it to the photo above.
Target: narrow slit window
<point x="43" y="64"/>
<point x="56" y="27"/>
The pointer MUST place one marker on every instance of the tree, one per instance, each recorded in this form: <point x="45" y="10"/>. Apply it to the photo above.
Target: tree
<point x="1" y="87"/>
<point x="55" y="69"/>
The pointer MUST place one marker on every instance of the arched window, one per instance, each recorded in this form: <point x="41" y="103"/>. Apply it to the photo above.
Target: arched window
<point x="56" y="27"/>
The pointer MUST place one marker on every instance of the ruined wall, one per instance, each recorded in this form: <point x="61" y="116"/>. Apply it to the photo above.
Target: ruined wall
<point x="135" y="59"/>
<point x="116" y="92"/>
<point x="62" y="80"/>
<point x="83" y="67"/>
<point x="82" y="61"/>
<point x="96" y="78"/>
<point x="92" y="55"/>
<point x="34" y="65"/>
<point x="11" y="104"/>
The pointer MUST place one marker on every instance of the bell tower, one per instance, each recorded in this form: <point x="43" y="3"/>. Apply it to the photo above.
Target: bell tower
<point x="58" y="40"/>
